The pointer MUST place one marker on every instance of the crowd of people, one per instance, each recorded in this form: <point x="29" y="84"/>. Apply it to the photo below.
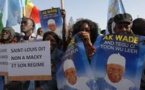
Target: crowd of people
<point x="87" y="31"/>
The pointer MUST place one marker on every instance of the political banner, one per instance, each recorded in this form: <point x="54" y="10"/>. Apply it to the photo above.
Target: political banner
<point x="118" y="62"/>
<point x="29" y="61"/>
<point x="74" y="72"/>
<point x="51" y="20"/>
<point x="3" y="60"/>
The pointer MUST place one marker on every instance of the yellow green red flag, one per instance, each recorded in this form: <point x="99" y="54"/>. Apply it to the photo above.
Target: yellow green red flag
<point x="32" y="11"/>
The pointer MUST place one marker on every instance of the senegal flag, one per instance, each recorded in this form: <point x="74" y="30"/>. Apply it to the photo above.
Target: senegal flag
<point x="31" y="11"/>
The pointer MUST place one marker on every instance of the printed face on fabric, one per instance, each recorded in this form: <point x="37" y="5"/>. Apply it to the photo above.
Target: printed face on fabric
<point x="71" y="76"/>
<point x="51" y="24"/>
<point x="115" y="72"/>
<point x="52" y="27"/>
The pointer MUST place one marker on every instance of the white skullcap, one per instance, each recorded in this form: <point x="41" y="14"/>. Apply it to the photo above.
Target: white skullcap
<point x="51" y="21"/>
<point x="116" y="59"/>
<point x="68" y="64"/>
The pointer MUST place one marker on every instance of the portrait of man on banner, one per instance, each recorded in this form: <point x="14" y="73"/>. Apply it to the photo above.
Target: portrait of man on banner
<point x="51" y="25"/>
<point x="51" y="20"/>
<point x="73" y="81"/>
<point x="117" y="64"/>
<point x="114" y="78"/>
<point x="74" y="71"/>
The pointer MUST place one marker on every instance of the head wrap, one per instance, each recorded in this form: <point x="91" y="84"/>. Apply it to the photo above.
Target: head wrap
<point x="10" y="30"/>
<point x="51" y="21"/>
<point x="116" y="59"/>
<point x="68" y="64"/>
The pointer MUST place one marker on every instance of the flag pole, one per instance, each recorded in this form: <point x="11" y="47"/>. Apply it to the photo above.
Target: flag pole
<point x="64" y="39"/>
<point x="122" y="5"/>
<point x="23" y="11"/>
<point x="62" y="4"/>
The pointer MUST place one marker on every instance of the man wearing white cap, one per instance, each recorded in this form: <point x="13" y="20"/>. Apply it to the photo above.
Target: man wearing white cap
<point x="51" y="24"/>
<point x="74" y="82"/>
<point x="114" y="75"/>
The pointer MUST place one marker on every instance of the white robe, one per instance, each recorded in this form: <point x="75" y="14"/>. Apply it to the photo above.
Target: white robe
<point x="81" y="84"/>
<point x="123" y="84"/>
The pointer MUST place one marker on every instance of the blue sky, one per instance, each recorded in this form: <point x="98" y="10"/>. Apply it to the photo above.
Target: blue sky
<point x="95" y="10"/>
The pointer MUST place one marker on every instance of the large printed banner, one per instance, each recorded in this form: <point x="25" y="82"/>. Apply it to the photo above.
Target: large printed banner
<point x="51" y="20"/>
<point x="3" y="61"/>
<point x="74" y="72"/>
<point x="27" y="61"/>
<point x="118" y="62"/>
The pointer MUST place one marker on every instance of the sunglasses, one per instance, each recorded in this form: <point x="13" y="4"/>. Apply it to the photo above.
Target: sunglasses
<point x="40" y="31"/>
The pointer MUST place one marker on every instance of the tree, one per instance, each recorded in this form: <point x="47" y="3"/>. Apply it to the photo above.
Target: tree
<point x="70" y="29"/>
<point x="70" y="23"/>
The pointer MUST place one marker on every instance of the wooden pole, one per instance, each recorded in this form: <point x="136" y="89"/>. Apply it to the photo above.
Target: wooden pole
<point x="64" y="39"/>
<point x="61" y="4"/>
<point x="23" y="11"/>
